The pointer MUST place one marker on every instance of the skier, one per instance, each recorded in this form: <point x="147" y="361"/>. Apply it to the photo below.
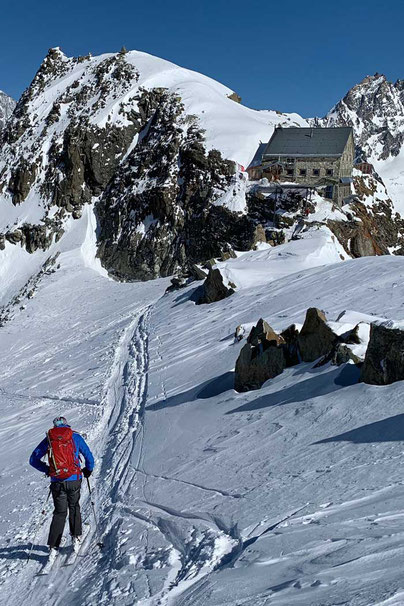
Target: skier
<point x="63" y="447"/>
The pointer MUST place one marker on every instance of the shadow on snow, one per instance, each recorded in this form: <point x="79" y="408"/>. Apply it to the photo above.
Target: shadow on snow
<point x="317" y="385"/>
<point x="208" y="389"/>
<point x="387" y="430"/>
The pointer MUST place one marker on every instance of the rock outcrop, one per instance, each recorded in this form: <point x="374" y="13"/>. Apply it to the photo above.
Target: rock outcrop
<point x="7" y="105"/>
<point x="267" y="353"/>
<point x="316" y="339"/>
<point x="384" y="360"/>
<point x="261" y="358"/>
<point x="214" y="288"/>
<point x="375" y="109"/>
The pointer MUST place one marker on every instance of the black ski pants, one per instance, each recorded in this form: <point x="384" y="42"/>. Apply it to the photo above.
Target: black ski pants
<point x="66" y="495"/>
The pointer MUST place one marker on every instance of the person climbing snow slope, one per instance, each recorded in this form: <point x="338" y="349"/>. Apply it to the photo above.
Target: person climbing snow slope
<point x="63" y="447"/>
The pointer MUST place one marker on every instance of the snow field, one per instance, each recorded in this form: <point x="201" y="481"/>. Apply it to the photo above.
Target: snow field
<point x="291" y="494"/>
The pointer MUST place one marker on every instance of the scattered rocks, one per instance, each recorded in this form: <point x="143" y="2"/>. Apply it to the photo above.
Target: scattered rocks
<point x="267" y="353"/>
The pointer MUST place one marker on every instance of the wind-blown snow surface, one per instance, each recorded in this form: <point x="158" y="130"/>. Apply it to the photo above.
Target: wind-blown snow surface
<point x="292" y="494"/>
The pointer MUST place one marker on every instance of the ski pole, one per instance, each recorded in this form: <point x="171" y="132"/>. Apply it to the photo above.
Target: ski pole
<point x="100" y="544"/>
<point x="43" y="512"/>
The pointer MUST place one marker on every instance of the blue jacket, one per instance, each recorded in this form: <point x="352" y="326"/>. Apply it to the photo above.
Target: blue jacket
<point x="80" y="448"/>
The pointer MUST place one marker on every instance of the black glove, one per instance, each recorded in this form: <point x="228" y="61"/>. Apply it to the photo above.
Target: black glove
<point x="47" y="472"/>
<point x="86" y="472"/>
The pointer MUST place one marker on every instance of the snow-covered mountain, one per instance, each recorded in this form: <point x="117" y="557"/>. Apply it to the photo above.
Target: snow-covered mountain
<point x="7" y="105"/>
<point x="151" y="144"/>
<point x="375" y="109"/>
<point x="289" y="495"/>
<point x="157" y="151"/>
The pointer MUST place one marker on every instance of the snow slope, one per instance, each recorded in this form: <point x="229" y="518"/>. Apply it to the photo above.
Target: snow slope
<point x="291" y="494"/>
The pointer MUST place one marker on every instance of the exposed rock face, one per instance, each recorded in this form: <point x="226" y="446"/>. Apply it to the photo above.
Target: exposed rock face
<point x="342" y="354"/>
<point x="7" y="105"/>
<point x="261" y="358"/>
<point x="214" y="288"/>
<point x="384" y="361"/>
<point x="316" y="338"/>
<point x="85" y="130"/>
<point x="235" y="97"/>
<point x="375" y="109"/>
<point x="378" y="229"/>
<point x="157" y="213"/>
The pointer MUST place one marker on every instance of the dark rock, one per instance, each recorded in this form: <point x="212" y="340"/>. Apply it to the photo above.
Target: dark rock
<point x="316" y="339"/>
<point x="291" y="338"/>
<point x="235" y="97"/>
<point x="263" y="333"/>
<point x="261" y="358"/>
<point x="342" y="354"/>
<point x="384" y="360"/>
<point x="22" y="177"/>
<point x="197" y="272"/>
<point x="351" y="337"/>
<point x="214" y="288"/>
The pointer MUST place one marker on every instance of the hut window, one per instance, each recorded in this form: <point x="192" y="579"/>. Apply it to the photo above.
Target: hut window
<point x="303" y="172"/>
<point x="330" y="172"/>
<point x="316" y="172"/>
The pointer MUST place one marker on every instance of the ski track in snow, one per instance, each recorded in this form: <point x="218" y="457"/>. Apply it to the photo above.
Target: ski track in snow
<point x="123" y="403"/>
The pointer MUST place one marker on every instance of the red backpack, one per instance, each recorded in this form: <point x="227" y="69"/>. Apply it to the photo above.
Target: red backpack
<point x="61" y="452"/>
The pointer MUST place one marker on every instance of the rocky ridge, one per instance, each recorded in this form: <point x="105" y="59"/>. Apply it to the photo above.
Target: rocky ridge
<point x="118" y="132"/>
<point x="375" y="110"/>
<point x="7" y="105"/>
<point x="101" y="131"/>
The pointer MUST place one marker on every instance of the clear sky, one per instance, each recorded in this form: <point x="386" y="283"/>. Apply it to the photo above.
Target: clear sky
<point x="286" y="55"/>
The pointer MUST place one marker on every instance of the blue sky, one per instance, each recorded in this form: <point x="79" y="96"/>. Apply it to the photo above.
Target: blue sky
<point x="286" y="55"/>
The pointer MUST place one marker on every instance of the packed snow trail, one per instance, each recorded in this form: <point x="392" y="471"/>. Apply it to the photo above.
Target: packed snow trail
<point x="74" y="349"/>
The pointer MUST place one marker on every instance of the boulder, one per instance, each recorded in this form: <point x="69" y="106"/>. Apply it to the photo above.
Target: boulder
<point x="261" y="358"/>
<point x="316" y="339"/>
<point x="342" y="354"/>
<point x="197" y="272"/>
<point x="384" y="360"/>
<point x="263" y="333"/>
<point x="214" y="288"/>
<point x="290" y="337"/>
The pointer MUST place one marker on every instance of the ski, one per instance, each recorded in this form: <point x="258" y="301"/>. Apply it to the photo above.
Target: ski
<point x="73" y="555"/>
<point x="48" y="566"/>
<point x="50" y="562"/>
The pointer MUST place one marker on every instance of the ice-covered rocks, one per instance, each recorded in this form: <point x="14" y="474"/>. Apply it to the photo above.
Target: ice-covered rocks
<point x="384" y="360"/>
